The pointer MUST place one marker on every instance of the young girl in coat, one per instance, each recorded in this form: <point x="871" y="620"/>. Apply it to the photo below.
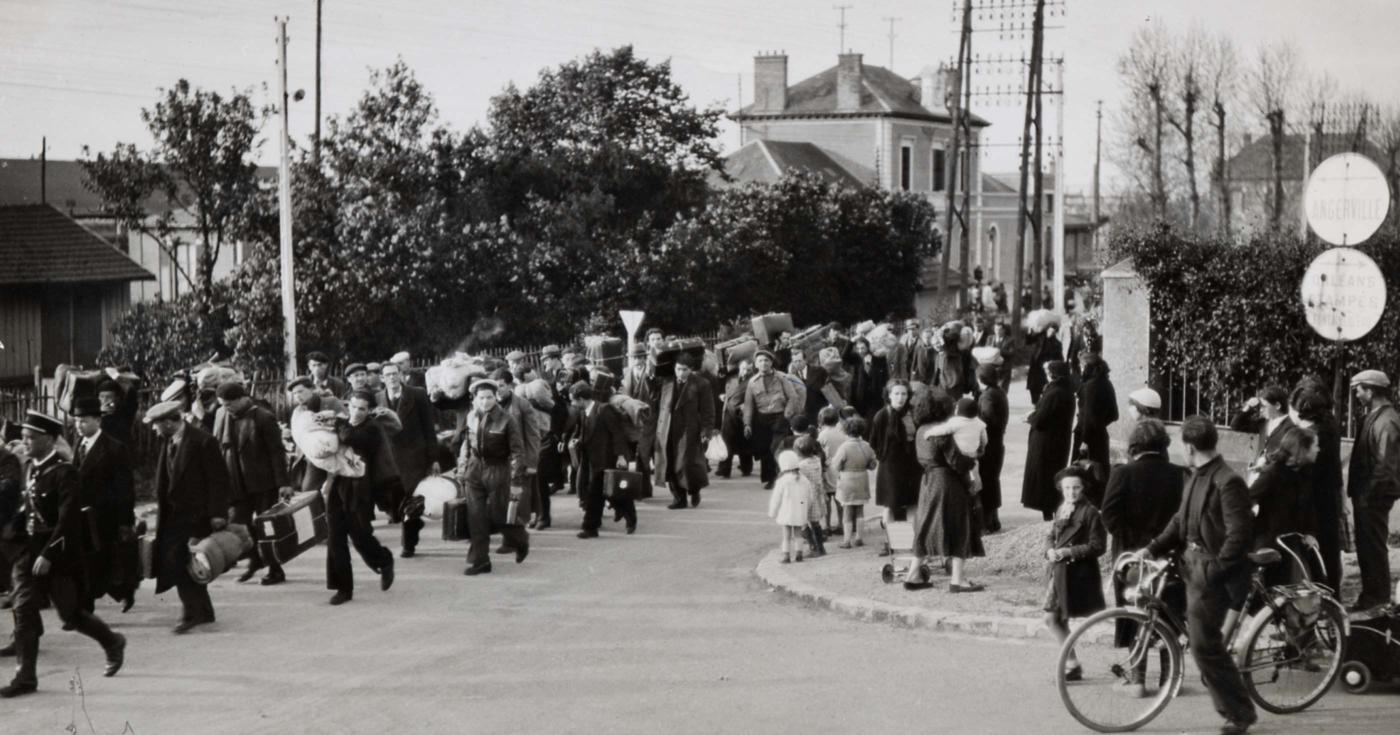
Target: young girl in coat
<point x="1076" y="541"/>
<point x="852" y="465"/>
<point x="787" y="505"/>
<point x="811" y="464"/>
<point x="830" y="438"/>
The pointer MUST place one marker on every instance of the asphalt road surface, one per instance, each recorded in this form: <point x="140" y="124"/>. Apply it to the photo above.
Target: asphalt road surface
<point x="665" y="631"/>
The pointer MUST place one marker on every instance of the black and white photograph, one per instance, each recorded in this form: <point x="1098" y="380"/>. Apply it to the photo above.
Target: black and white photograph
<point x="699" y="366"/>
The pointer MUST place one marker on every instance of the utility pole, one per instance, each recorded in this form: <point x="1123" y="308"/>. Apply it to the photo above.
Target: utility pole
<point x="316" y="132"/>
<point x="1058" y="245"/>
<point x="891" y="37"/>
<point x="44" y="170"/>
<point x="1098" y="152"/>
<point x="284" y="206"/>
<point x="959" y="99"/>
<point x="842" y="26"/>
<point x="1030" y="212"/>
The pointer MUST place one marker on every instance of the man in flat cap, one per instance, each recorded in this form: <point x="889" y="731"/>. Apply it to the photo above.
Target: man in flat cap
<point x="769" y="401"/>
<point x="492" y="466"/>
<point x="318" y="367"/>
<point x="551" y="361"/>
<point x="1144" y="403"/>
<point x="192" y="494"/>
<point x="356" y="378"/>
<point x="104" y="477"/>
<point x="376" y="373"/>
<point x="252" y="448"/>
<point x="46" y="549"/>
<point x="1374" y="484"/>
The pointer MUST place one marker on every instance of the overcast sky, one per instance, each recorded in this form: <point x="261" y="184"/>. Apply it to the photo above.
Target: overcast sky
<point x="79" y="71"/>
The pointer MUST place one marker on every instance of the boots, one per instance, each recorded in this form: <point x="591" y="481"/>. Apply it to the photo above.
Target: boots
<point x="814" y="539"/>
<point x="27" y="653"/>
<point x="412" y="528"/>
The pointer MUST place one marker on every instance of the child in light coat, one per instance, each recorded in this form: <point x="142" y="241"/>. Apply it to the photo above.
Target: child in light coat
<point x="854" y="461"/>
<point x="787" y="505"/>
<point x="811" y="463"/>
<point x="970" y="435"/>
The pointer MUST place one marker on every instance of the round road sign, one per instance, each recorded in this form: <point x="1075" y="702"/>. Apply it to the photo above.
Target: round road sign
<point x="1343" y="294"/>
<point x="1347" y="199"/>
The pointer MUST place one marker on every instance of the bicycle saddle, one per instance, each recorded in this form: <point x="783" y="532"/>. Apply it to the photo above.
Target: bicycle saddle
<point x="1265" y="557"/>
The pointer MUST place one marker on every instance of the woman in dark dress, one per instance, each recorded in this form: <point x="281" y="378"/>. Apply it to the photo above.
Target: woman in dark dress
<point x="868" y="376"/>
<point x="1281" y="491"/>
<point x="892" y="436"/>
<point x="947" y="523"/>
<point x="1051" y="433"/>
<point x="1312" y="409"/>
<point x="1045" y="348"/>
<point x="992" y="408"/>
<point x="1098" y="407"/>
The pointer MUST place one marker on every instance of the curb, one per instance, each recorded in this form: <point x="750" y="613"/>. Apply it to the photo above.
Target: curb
<point x="772" y="574"/>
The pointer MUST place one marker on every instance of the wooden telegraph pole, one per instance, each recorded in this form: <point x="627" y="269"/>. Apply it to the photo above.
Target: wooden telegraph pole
<point x="1030" y="215"/>
<point x="959" y="99"/>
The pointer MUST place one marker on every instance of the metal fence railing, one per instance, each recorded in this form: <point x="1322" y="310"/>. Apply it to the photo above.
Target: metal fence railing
<point x="1193" y="394"/>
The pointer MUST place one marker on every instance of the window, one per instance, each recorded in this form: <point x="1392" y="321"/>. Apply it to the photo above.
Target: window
<point x="939" y="162"/>
<point x="906" y="158"/>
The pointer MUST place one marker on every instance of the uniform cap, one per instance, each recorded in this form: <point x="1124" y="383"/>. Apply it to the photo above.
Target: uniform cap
<point x="42" y="423"/>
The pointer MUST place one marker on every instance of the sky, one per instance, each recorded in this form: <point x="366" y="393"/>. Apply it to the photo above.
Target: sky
<point x="79" y="71"/>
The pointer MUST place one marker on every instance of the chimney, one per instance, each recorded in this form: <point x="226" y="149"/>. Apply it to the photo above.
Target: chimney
<point x="930" y="87"/>
<point x="848" y="82"/>
<point x="770" y="82"/>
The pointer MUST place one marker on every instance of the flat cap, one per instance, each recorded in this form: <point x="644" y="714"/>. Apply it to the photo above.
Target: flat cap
<point x="551" y="351"/>
<point x="515" y="356"/>
<point x="477" y="385"/>
<point x="765" y="353"/>
<point x="374" y="367"/>
<point x="1371" y="377"/>
<point x="399" y="356"/>
<point x="1146" y="397"/>
<point x="164" y="410"/>
<point x="109" y="386"/>
<point x="300" y="380"/>
<point x="355" y="367"/>
<point x="42" y="423"/>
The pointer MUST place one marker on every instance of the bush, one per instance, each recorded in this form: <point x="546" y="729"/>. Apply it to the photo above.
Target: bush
<point x="159" y="338"/>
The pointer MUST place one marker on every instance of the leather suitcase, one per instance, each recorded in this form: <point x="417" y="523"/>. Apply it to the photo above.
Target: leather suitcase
<point x="736" y="350"/>
<point x="669" y="352"/>
<point x="454" y="520"/>
<point x="767" y="328"/>
<point x="623" y="485"/>
<point x="289" y="528"/>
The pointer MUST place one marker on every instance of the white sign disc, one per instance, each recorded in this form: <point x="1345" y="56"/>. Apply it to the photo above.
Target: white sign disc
<point x="1343" y="294"/>
<point x="1347" y="199"/>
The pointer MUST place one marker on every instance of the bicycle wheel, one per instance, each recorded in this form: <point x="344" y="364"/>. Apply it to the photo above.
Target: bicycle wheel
<point x="1131" y="667"/>
<point x="1288" y="667"/>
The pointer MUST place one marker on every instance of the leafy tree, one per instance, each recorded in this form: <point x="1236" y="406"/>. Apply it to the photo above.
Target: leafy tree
<point x="197" y="181"/>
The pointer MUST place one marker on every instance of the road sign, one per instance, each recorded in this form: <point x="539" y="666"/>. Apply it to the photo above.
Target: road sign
<point x="1347" y="199"/>
<point x="1343" y="294"/>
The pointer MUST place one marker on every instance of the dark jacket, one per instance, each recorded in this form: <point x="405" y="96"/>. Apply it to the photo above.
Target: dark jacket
<point x="11" y="495"/>
<point x="1049" y="446"/>
<point x="867" y="385"/>
<point x="815" y="378"/>
<point x="251" y="443"/>
<point x="415" y="446"/>
<point x="602" y="439"/>
<point x="1078" y="587"/>
<point x="1218" y="500"/>
<point x="1284" y="506"/>
<point x="1098" y="408"/>
<point x="56" y="503"/>
<point x="1046" y="349"/>
<point x="1141" y="498"/>
<point x="105" y="478"/>
<point x="1254" y="422"/>
<point x="899" y="473"/>
<point x="687" y="412"/>
<point x="1374" y="471"/>
<point x="192" y="487"/>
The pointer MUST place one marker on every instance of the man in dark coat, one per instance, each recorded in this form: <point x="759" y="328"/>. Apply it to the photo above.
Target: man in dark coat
<point x="640" y="382"/>
<point x="600" y="440"/>
<point x="815" y="378"/>
<point x="10" y="500"/>
<point x="684" y="425"/>
<point x="192" y="492"/>
<point x="1266" y="415"/>
<point x="994" y="411"/>
<point x="1051" y="423"/>
<point x="414" y="446"/>
<point x="251" y="442"/>
<point x="1213" y="526"/>
<point x="119" y="408"/>
<point x="318" y="367"/>
<point x="732" y="421"/>
<point x="104" y="477"/>
<point x="44" y="540"/>
<point x="1373" y="484"/>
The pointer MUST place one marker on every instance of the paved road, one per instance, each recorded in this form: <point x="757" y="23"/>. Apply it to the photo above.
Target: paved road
<point x="663" y="631"/>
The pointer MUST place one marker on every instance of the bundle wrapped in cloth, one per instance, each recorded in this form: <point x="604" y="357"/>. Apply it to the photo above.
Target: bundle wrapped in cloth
<point x="316" y="435"/>
<point x="218" y="552"/>
<point x="882" y="340"/>
<point x="1037" y="321"/>
<point x="987" y="355"/>
<point x="452" y="377"/>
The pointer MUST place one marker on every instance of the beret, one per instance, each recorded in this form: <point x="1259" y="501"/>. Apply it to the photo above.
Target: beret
<point x="231" y="391"/>
<point x="1371" y="377"/>
<point x="164" y="410"/>
<point x="581" y="390"/>
<point x="1146" y="397"/>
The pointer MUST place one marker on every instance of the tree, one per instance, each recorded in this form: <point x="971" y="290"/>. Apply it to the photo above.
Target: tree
<point x="1273" y="86"/>
<point x="1222" y="77"/>
<point x="1188" y="67"/>
<point x="1146" y="69"/>
<point x="200" y="174"/>
<point x="1388" y="147"/>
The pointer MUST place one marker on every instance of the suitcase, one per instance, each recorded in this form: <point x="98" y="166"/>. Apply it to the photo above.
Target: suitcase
<point x="606" y="351"/>
<point x="735" y="351"/>
<point x="669" y="352"/>
<point x="622" y="485"/>
<point x="810" y="341"/>
<point x="454" y="520"/>
<point x="289" y="528"/>
<point x="768" y="327"/>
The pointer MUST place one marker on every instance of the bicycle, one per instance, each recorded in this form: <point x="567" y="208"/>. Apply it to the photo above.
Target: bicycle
<point x="1294" y="644"/>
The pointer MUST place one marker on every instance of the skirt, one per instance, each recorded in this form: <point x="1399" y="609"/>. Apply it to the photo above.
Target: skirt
<point x="945" y="523"/>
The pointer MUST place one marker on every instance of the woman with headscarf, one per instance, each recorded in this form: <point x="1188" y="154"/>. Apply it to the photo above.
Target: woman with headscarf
<point x="1045" y="348"/>
<point x="1311" y="408"/>
<point x="1050" y="437"/>
<point x="869" y="372"/>
<point x="1098" y="407"/>
<point x="892" y="436"/>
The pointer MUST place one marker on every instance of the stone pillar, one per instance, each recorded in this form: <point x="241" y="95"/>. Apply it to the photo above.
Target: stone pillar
<point x="1126" y="332"/>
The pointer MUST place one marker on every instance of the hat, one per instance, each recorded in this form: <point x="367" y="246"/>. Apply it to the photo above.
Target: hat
<point x="515" y="356"/>
<point x="231" y="391"/>
<point x="164" y="410"/>
<point x="374" y="367"/>
<point x="317" y="356"/>
<point x="765" y="353"/>
<point x="300" y="380"/>
<point x="174" y="390"/>
<point x="787" y="460"/>
<point x="42" y="423"/>
<point x="86" y="406"/>
<point x="1146" y="397"/>
<point x="355" y="367"/>
<point x="399" y="356"/>
<point x="581" y="390"/>
<point x="551" y="351"/>
<point x="477" y="384"/>
<point x="639" y="350"/>
<point x="1374" y="378"/>
<point x="109" y="386"/>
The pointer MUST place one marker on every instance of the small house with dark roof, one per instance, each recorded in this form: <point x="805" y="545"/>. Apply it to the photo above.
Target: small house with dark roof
<point x="61" y="287"/>
<point x="1252" y="176"/>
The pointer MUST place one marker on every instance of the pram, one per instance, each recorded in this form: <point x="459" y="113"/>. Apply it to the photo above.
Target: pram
<point x="900" y="536"/>
<point x="1373" y="650"/>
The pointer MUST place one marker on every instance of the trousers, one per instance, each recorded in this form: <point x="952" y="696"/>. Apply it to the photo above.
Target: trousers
<point x="1207" y="601"/>
<point x="1372" y="527"/>
<point x="349" y="525"/>
<point x="484" y="480"/>
<point x="65" y="590"/>
<point x="243" y="511"/>
<point x="767" y="428"/>
<point x="731" y="429"/>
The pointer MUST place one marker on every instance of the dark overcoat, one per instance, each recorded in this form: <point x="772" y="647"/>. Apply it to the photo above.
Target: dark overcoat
<point x="898" y="475"/>
<point x="192" y="487"/>
<point x="415" y="446"/>
<point x="1098" y="407"/>
<point x="682" y="420"/>
<point x="1049" y="446"/>
<point x="1078" y="586"/>
<point x="1046" y="349"/>
<point x="995" y="412"/>
<point x="251" y="442"/>
<point x="1141" y="498"/>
